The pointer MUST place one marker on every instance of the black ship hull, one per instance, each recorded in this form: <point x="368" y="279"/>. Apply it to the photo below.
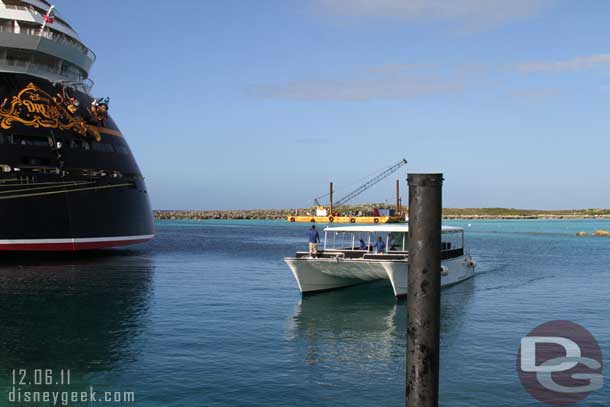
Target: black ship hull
<point x="68" y="180"/>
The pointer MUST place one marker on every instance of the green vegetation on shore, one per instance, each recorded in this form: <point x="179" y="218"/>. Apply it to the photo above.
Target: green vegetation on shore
<point x="523" y="212"/>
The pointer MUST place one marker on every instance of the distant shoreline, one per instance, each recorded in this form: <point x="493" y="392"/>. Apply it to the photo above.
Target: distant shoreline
<point x="448" y="214"/>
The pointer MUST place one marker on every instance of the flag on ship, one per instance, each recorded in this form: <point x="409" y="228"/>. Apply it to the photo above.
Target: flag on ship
<point x="49" y="18"/>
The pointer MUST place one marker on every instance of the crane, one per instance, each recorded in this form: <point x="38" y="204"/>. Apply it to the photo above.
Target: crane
<point x="327" y="214"/>
<point x="373" y="181"/>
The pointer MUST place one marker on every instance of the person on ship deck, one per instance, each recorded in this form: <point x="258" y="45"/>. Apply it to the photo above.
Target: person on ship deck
<point x="363" y="245"/>
<point x="314" y="239"/>
<point x="379" y="246"/>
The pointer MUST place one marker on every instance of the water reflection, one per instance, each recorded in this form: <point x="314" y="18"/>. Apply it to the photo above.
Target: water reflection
<point x="82" y="312"/>
<point x="366" y="322"/>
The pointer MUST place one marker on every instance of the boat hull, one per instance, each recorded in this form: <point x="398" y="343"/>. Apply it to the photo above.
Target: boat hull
<point x="68" y="181"/>
<point x="325" y="274"/>
<point x="75" y="220"/>
<point x="345" y="219"/>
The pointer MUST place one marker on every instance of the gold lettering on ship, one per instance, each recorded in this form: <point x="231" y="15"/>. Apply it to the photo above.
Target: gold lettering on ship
<point x="34" y="107"/>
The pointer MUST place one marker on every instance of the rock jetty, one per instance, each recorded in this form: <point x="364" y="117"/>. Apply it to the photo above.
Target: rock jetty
<point x="450" y="214"/>
<point x="270" y="214"/>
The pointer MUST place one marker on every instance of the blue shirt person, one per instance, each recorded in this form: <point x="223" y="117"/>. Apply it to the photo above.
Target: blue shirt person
<point x="379" y="246"/>
<point x="314" y="239"/>
<point x="362" y="245"/>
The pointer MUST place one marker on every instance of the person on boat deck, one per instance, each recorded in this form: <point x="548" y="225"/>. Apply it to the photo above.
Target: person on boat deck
<point x="379" y="246"/>
<point x="362" y="245"/>
<point x="314" y="239"/>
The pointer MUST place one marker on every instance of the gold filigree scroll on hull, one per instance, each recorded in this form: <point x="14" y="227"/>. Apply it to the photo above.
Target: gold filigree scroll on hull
<point x="35" y="107"/>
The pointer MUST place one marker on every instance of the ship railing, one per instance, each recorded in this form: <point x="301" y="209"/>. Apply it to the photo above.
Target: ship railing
<point x="56" y="37"/>
<point x="82" y="85"/>
<point x="33" y="67"/>
<point x="16" y="7"/>
<point x="65" y="40"/>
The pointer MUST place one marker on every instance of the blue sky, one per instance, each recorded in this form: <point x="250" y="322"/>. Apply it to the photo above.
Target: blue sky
<point x="242" y="104"/>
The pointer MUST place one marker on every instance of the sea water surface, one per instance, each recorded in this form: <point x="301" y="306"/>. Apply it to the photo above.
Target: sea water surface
<point x="207" y="314"/>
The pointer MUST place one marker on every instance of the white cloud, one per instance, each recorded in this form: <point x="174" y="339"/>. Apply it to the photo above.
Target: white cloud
<point x="482" y="13"/>
<point x="361" y="88"/>
<point x="397" y="81"/>
<point x="568" y="65"/>
<point x="534" y="94"/>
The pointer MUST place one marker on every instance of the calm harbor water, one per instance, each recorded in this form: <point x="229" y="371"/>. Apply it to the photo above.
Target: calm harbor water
<point x="208" y="315"/>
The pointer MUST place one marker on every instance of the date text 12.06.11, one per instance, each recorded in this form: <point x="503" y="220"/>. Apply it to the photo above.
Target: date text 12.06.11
<point x="41" y="377"/>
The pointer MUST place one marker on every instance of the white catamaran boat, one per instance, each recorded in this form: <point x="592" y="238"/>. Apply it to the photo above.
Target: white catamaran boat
<point x="343" y="263"/>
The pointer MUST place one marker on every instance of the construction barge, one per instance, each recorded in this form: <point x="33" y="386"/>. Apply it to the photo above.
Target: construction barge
<point x="330" y="214"/>
<point x="346" y="219"/>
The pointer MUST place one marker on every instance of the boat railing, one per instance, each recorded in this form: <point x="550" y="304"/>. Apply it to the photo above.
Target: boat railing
<point x="447" y="252"/>
<point x="62" y="38"/>
<point x="75" y="80"/>
<point x="367" y="255"/>
<point x="81" y="85"/>
<point x="386" y="256"/>
<point x="50" y="35"/>
<point x="334" y="254"/>
<point x="16" y="7"/>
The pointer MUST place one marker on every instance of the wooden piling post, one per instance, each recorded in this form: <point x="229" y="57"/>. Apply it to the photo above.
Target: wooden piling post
<point x="424" y="286"/>
<point x="331" y="200"/>
<point x="398" y="208"/>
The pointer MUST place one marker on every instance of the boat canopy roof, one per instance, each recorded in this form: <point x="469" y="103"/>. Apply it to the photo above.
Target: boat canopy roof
<point x="385" y="228"/>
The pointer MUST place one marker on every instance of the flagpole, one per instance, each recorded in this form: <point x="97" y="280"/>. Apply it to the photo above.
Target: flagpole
<point x="46" y="19"/>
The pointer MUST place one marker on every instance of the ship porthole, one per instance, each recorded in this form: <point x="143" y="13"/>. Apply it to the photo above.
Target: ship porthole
<point x="352" y="220"/>
<point x="292" y="219"/>
<point x="376" y="220"/>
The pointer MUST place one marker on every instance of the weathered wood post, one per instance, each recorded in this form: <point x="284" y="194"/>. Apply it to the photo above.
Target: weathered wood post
<point x="424" y="289"/>
<point x="330" y="210"/>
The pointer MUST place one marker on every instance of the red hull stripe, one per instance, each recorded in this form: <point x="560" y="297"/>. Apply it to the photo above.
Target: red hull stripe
<point x="71" y="244"/>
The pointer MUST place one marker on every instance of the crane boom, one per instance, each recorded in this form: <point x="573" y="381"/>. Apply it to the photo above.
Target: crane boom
<point x="378" y="178"/>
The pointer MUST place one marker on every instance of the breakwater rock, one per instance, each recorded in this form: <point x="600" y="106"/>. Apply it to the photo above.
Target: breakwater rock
<point x="270" y="214"/>
<point x="449" y="214"/>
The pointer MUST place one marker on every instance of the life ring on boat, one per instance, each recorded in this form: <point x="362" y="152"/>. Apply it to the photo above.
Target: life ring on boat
<point x="331" y="219"/>
<point x="313" y="220"/>
<point x="376" y="220"/>
<point x="444" y="271"/>
<point x="352" y="220"/>
<point x="292" y="219"/>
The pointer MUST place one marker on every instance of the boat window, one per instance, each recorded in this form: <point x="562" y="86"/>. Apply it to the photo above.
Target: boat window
<point x="17" y="57"/>
<point x="37" y="141"/>
<point x="341" y="241"/>
<point x="122" y="150"/>
<point x="80" y="144"/>
<point x="35" y="161"/>
<point x="374" y="236"/>
<point x="120" y="146"/>
<point x="452" y="240"/>
<point x="397" y="242"/>
<point x="102" y="147"/>
<point x="366" y="238"/>
<point x="394" y="241"/>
